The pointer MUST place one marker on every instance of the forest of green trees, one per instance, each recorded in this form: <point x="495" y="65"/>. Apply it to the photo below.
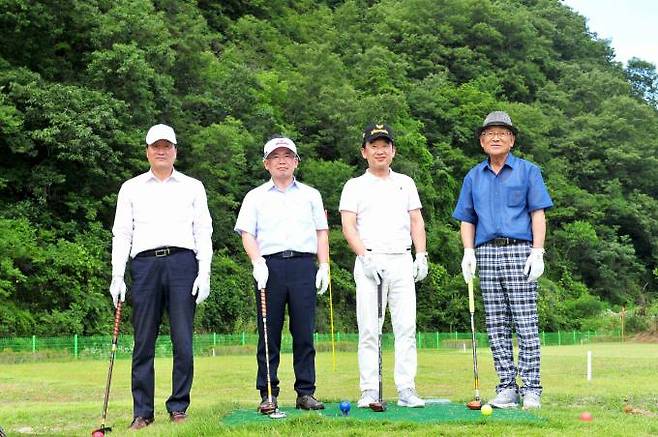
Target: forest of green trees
<point x="82" y="80"/>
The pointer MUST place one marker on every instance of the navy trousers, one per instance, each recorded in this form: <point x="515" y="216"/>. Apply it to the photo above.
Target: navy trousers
<point x="159" y="284"/>
<point x="292" y="282"/>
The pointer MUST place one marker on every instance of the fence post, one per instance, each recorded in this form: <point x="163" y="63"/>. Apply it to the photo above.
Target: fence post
<point x="75" y="345"/>
<point x="437" y="339"/>
<point x="574" y="336"/>
<point x="543" y="337"/>
<point x="34" y="343"/>
<point x="559" y="338"/>
<point x="243" y="340"/>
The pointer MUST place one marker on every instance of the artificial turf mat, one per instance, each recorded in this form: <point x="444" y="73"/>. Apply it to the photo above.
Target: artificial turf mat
<point x="434" y="413"/>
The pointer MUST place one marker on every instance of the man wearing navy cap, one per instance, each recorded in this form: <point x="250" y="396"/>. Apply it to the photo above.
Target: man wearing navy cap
<point x="162" y="223"/>
<point x="381" y="217"/>
<point x="501" y="209"/>
<point x="284" y="228"/>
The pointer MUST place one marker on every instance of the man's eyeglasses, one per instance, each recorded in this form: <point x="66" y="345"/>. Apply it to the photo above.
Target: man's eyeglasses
<point x="491" y="134"/>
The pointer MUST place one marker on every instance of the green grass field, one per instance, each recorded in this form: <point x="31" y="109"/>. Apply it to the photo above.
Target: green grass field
<point x="65" y="398"/>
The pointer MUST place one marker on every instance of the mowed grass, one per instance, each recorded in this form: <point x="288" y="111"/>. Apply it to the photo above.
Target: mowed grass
<point x="65" y="398"/>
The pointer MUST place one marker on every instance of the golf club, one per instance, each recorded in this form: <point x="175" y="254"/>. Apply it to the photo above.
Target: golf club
<point x="115" y="339"/>
<point x="380" y="405"/>
<point x="269" y="407"/>
<point x="331" y="310"/>
<point x="475" y="404"/>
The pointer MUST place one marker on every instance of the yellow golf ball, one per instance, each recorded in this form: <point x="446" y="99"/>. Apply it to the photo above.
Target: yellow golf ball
<point x="486" y="410"/>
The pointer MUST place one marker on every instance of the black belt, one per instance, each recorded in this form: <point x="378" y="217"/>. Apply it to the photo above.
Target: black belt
<point x="160" y="251"/>
<point x="289" y="254"/>
<point x="504" y="241"/>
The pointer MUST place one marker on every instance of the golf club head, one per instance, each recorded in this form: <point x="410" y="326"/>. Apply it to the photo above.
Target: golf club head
<point x="278" y="414"/>
<point x="378" y="407"/>
<point x="267" y="408"/>
<point x="101" y="431"/>
<point x="474" y="405"/>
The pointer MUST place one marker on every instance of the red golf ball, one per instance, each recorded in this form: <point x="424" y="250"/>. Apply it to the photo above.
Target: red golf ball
<point x="586" y="416"/>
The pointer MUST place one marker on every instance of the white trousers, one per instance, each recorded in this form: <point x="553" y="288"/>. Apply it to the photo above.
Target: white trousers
<point x="400" y="293"/>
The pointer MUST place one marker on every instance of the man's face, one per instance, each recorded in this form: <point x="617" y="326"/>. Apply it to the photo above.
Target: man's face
<point x="161" y="155"/>
<point x="281" y="163"/>
<point x="379" y="154"/>
<point x="497" y="141"/>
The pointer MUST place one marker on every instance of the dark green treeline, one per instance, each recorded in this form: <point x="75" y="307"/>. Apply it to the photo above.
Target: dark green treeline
<point x="82" y="80"/>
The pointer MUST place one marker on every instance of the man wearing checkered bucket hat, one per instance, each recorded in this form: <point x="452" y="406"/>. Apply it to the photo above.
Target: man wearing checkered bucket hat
<point x="501" y="209"/>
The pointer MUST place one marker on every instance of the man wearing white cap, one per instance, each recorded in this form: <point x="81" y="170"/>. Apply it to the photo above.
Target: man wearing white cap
<point x="163" y="225"/>
<point x="283" y="228"/>
<point x="381" y="217"/>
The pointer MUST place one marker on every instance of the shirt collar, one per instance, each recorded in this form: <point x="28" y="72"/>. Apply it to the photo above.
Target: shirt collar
<point x="369" y="175"/>
<point x="175" y="176"/>
<point x="510" y="162"/>
<point x="269" y="185"/>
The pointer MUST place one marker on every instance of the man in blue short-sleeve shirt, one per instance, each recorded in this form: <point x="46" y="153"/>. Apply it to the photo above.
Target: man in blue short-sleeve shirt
<point x="284" y="229"/>
<point x="501" y="209"/>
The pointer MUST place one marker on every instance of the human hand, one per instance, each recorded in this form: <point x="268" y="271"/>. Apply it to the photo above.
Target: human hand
<point x="469" y="263"/>
<point x="260" y="272"/>
<point x="201" y="287"/>
<point x="322" y="278"/>
<point x="118" y="289"/>
<point x="370" y="268"/>
<point x="420" y="266"/>
<point x="534" y="265"/>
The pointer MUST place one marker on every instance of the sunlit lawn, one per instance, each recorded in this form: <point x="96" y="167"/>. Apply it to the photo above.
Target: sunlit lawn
<point x="65" y="398"/>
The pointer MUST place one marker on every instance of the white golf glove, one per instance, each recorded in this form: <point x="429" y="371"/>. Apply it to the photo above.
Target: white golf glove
<point x="534" y="265"/>
<point x="118" y="289"/>
<point x="260" y="272"/>
<point x="420" y="266"/>
<point x="201" y="287"/>
<point x="322" y="278"/>
<point x="370" y="268"/>
<point x="468" y="264"/>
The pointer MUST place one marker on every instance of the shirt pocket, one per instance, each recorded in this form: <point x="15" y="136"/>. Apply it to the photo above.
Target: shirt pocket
<point x="516" y="195"/>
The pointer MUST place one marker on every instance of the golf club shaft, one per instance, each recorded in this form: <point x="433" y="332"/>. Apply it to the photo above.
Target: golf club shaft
<point x="331" y="308"/>
<point x="380" y="286"/>
<point x="115" y="340"/>
<point x="263" y="310"/>
<point x="471" y="307"/>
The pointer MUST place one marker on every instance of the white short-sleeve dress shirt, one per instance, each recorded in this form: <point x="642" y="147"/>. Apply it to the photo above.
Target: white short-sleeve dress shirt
<point x="283" y="220"/>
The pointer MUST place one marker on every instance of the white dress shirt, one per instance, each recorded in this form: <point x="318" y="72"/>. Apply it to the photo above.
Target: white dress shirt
<point x="152" y="213"/>
<point x="283" y="220"/>
<point x="382" y="208"/>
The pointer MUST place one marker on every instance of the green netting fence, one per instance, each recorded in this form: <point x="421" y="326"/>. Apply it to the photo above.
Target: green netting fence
<point x="78" y="347"/>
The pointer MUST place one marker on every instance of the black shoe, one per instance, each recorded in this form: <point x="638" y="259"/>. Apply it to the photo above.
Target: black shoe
<point x="308" y="402"/>
<point x="266" y="407"/>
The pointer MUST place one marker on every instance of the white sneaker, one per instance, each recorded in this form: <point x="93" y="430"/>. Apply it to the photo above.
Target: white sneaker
<point x="367" y="398"/>
<point x="506" y="398"/>
<point x="531" y="400"/>
<point x="409" y="398"/>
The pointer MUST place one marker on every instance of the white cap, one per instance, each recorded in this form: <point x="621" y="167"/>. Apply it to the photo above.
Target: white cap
<point x="160" y="132"/>
<point x="275" y="143"/>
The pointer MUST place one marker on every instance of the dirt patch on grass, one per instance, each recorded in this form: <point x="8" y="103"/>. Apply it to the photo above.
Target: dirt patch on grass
<point x="646" y="337"/>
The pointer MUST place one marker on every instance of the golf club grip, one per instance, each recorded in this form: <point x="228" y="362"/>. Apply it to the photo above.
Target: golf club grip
<point x="117" y="319"/>
<point x="263" y="306"/>
<point x="471" y="298"/>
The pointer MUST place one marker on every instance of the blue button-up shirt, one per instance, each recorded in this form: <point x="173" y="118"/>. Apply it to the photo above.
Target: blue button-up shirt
<point x="499" y="205"/>
<point x="283" y="220"/>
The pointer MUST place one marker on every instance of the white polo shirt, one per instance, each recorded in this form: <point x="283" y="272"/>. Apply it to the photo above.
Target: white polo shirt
<point x="152" y="213"/>
<point x="382" y="208"/>
<point x="283" y="220"/>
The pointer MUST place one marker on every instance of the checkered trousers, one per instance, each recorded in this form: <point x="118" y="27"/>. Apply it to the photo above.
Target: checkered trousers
<point x="510" y="301"/>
